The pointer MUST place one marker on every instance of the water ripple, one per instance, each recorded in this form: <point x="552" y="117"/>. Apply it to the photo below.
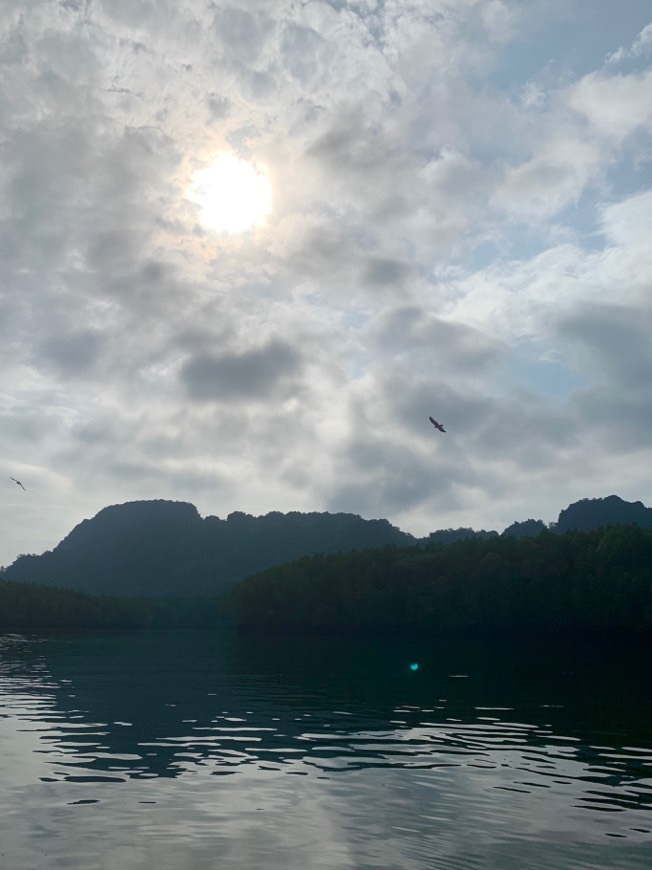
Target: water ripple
<point x="89" y="724"/>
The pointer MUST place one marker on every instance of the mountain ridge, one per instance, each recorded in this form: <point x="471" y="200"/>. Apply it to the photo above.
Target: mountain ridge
<point x="161" y="547"/>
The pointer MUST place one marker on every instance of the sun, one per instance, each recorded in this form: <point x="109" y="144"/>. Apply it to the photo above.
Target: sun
<point x="234" y="195"/>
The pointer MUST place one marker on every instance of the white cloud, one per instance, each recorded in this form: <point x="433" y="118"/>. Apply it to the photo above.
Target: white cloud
<point x="643" y="42"/>
<point x="615" y="106"/>
<point x="532" y="96"/>
<point x="555" y="177"/>
<point x="639" y="47"/>
<point x="499" y="19"/>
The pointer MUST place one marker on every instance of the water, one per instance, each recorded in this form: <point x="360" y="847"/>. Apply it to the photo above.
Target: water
<point x="189" y="750"/>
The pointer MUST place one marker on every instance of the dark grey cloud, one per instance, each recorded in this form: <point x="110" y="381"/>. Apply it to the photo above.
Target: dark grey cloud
<point x="24" y="426"/>
<point x="14" y="49"/>
<point x="73" y="354"/>
<point x="615" y="419"/>
<point x="218" y="107"/>
<point x="410" y="398"/>
<point x="242" y="35"/>
<point x="485" y="434"/>
<point x="152" y="476"/>
<point x="305" y="52"/>
<point x="326" y="252"/>
<point x="444" y="345"/>
<point x="44" y="168"/>
<point x="331" y="255"/>
<point x="253" y="374"/>
<point x="612" y="344"/>
<point x="353" y="145"/>
<point x="375" y="477"/>
<point x="614" y="341"/>
<point x="386" y="272"/>
<point x="525" y="432"/>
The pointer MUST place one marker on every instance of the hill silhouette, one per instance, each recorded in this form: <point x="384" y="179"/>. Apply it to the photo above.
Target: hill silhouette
<point x="592" y="513"/>
<point x="586" y="515"/>
<point x="165" y="548"/>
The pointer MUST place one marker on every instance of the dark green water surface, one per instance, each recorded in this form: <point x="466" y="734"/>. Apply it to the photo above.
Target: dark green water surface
<point x="198" y="750"/>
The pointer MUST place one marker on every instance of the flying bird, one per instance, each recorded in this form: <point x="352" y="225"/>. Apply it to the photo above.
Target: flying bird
<point x="18" y="482"/>
<point x="437" y="425"/>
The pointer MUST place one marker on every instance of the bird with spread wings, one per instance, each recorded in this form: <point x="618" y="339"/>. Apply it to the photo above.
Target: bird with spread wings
<point x="17" y="481"/>
<point x="437" y="425"/>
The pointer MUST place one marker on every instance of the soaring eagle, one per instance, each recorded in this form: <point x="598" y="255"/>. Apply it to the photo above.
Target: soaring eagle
<point x="437" y="425"/>
<point x="18" y="482"/>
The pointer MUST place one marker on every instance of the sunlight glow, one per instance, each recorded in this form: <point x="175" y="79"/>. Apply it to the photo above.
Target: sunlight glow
<point x="234" y="195"/>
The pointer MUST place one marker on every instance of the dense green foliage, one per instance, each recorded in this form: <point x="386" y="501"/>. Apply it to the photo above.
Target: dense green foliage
<point x="449" y="536"/>
<point x="33" y="606"/>
<point x="575" y="582"/>
<point x="525" y="529"/>
<point x="164" y="548"/>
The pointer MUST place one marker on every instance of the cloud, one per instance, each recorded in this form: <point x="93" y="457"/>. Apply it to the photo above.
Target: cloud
<point x="627" y="223"/>
<point x="643" y="42"/>
<point x="615" y="106"/>
<point x="73" y="354"/>
<point x="532" y="96"/>
<point x="455" y="198"/>
<point x="642" y="45"/>
<point x="614" y="410"/>
<point x="260" y="373"/>
<point x="551" y="180"/>
<point x="242" y="38"/>
<point x="499" y="19"/>
<point x="613" y="341"/>
<point x="401" y="480"/>
<point x="430" y="342"/>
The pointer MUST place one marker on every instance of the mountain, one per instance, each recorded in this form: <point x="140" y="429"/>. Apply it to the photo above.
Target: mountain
<point x="586" y="515"/>
<point x="526" y="529"/>
<point x="592" y="513"/>
<point x="166" y="548"/>
<point x="449" y="536"/>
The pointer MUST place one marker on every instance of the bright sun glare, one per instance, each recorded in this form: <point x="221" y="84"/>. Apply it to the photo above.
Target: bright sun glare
<point x="233" y="194"/>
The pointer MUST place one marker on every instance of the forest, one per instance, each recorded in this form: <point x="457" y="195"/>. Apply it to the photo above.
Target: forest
<point x="573" y="583"/>
<point x="578" y="582"/>
<point x="165" y="549"/>
<point x="34" y="606"/>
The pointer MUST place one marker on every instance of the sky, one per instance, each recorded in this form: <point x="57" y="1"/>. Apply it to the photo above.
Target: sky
<point x="248" y="248"/>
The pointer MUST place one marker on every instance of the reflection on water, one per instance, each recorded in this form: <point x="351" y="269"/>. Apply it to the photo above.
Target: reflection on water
<point x="183" y="749"/>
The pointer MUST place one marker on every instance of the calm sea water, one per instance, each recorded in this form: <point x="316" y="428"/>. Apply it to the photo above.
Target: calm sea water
<point x="194" y="750"/>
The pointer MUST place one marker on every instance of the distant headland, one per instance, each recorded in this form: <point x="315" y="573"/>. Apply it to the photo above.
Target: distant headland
<point x="164" y="548"/>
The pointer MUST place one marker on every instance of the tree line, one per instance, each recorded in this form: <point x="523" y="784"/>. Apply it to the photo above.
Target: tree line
<point x="576" y="582"/>
<point x="34" y="606"/>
